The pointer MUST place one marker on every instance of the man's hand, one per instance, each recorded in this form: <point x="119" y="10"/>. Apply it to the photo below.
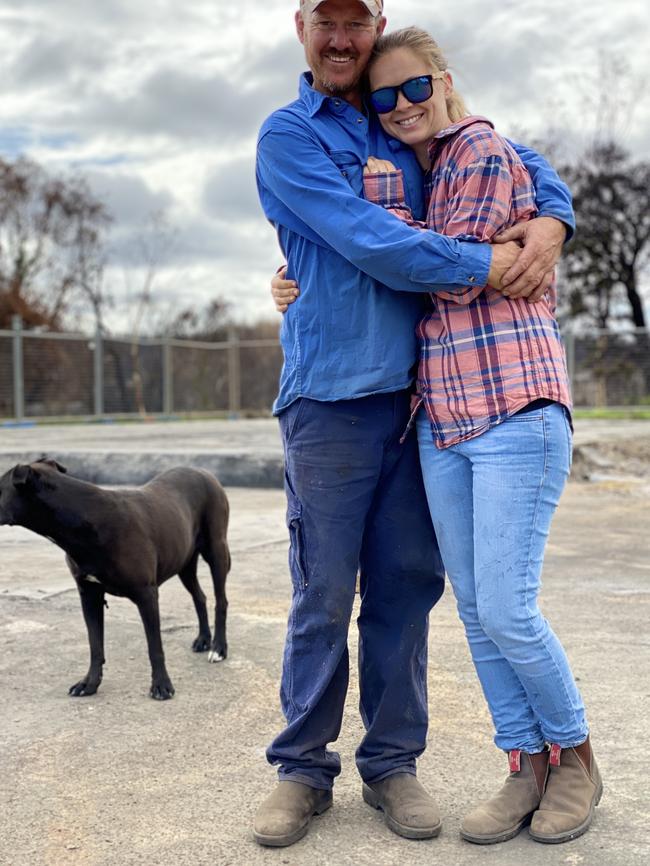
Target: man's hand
<point x="284" y="292"/>
<point x="378" y="166"/>
<point x="532" y="273"/>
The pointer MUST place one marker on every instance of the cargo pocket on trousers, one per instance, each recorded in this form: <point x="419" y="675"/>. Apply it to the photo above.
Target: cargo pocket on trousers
<point x="297" y="541"/>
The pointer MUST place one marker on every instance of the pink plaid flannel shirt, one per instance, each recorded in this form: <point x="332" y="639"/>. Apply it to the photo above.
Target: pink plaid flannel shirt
<point x="482" y="356"/>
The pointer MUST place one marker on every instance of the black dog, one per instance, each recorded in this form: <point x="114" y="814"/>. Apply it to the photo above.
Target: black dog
<point x="127" y="543"/>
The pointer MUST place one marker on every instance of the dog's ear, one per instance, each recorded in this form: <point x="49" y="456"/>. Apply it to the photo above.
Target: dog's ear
<point x="23" y="476"/>
<point x="53" y="463"/>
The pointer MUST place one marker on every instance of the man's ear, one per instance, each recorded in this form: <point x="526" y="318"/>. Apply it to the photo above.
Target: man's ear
<point x="381" y="26"/>
<point x="23" y="476"/>
<point x="300" y="26"/>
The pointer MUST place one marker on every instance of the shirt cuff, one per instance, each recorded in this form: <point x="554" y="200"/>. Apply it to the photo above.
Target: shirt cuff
<point x="474" y="265"/>
<point x="385" y="188"/>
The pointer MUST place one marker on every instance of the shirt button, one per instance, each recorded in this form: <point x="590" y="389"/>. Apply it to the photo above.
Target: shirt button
<point x="337" y="102"/>
<point x="471" y="279"/>
<point x="359" y="119"/>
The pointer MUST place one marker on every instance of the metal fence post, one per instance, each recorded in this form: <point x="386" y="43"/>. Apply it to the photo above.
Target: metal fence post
<point x="19" y="383"/>
<point x="98" y="375"/>
<point x="168" y="376"/>
<point x="234" y="373"/>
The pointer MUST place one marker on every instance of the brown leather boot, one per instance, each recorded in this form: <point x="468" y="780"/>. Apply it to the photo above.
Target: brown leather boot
<point x="408" y="809"/>
<point x="284" y="816"/>
<point x="511" y="809"/>
<point x="573" y="791"/>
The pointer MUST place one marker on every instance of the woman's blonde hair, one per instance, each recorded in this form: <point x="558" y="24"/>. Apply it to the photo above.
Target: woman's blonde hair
<point x="419" y="42"/>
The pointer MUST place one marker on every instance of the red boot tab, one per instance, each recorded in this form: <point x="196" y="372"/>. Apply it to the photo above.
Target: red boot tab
<point x="514" y="758"/>
<point x="554" y="759"/>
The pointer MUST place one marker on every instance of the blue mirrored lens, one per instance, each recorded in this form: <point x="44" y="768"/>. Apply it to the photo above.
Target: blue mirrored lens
<point x="415" y="90"/>
<point x="384" y="100"/>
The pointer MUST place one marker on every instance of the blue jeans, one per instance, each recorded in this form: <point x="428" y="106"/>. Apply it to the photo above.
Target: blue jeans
<point x="355" y="502"/>
<point x="492" y="499"/>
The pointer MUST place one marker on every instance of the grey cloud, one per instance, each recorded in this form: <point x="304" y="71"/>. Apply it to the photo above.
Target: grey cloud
<point x="279" y="66"/>
<point x="226" y="244"/>
<point x="72" y="13"/>
<point x="176" y="104"/>
<point x="128" y="197"/>
<point x="53" y="61"/>
<point x="223" y="241"/>
<point x="230" y="191"/>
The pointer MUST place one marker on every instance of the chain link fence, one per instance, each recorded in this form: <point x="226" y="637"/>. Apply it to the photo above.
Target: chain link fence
<point x="48" y="375"/>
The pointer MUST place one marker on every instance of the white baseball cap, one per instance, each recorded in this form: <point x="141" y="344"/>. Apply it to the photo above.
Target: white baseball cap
<point x="373" y="6"/>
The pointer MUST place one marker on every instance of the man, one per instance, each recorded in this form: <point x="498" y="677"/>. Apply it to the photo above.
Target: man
<point x="355" y="494"/>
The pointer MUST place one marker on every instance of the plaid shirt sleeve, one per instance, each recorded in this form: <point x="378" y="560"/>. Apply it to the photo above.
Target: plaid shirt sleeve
<point x="386" y="189"/>
<point x="480" y="205"/>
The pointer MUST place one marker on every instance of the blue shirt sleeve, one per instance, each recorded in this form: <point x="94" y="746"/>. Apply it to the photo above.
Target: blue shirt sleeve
<point x="302" y="189"/>
<point x="552" y="195"/>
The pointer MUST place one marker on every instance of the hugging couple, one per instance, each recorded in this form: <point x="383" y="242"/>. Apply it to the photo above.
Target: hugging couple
<point x="387" y="195"/>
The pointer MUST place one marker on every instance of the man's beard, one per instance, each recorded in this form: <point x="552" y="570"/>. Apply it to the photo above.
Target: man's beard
<point x="338" y="89"/>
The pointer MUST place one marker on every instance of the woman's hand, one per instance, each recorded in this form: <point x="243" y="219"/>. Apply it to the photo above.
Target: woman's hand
<point x="378" y="166"/>
<point x="283" y="292"/>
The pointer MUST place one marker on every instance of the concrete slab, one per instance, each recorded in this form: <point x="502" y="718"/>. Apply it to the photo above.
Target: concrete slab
<point x="248" y="452"/>
<point x="118" y="779"/>
<point x="239" y="452"/>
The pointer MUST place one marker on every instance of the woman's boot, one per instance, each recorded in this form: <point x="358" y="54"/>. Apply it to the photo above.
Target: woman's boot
<point x="511" y="809"/>
<point x="573" y="791"/>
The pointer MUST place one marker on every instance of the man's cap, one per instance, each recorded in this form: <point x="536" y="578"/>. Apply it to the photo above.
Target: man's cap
<point x="373" y="6"/>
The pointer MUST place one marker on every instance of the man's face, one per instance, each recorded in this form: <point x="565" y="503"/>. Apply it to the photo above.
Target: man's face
<point x="338" y="37"/>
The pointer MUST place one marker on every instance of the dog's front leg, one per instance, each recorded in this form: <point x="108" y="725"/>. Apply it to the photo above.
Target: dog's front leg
<point x="147" y="602"/>
<point x="92" y="605"/>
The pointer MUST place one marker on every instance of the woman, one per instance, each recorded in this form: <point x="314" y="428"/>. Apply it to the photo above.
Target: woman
<point x="494" y="435"/>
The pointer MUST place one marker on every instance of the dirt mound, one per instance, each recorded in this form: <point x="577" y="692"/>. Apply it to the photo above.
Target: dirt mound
<point x="623" y="458"/>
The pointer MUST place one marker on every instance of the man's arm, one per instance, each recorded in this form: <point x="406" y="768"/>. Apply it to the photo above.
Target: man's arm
<point x="309" y="195"/>
<point x="478" y="201"/>
<point x="543" y="237"/>
<point x="552" y="195"/>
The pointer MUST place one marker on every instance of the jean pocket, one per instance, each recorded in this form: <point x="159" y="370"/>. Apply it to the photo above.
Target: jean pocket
<point x="526" y="417"/>
<point x="296" y="540"/>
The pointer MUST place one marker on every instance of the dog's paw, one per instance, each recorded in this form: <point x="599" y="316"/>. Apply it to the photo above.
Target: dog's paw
<point x="201" y="644"/>
<point x="162" y="691"/>
<point x="215" y="656"/>
<point x="82" y="689"/>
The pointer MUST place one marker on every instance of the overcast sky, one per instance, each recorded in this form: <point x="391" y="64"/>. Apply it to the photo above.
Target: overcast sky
<point x="159" y="103"/>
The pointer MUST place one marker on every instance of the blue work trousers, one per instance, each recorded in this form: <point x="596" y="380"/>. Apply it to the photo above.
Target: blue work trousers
<point x="355" y="502"/>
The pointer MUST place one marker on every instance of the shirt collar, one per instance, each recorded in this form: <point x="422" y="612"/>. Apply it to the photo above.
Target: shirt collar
<point x="313" y="99"/>
<point x="448" y="131"/>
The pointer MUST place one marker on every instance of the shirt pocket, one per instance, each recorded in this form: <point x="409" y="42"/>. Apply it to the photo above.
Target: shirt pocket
<point x="351" y="168"/>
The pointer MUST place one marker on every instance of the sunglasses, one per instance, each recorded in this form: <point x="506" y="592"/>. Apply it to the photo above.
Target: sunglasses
<point x="416" y="90"/>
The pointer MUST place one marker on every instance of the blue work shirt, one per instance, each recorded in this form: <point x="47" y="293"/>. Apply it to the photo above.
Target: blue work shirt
<point x="362" y="273"/>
